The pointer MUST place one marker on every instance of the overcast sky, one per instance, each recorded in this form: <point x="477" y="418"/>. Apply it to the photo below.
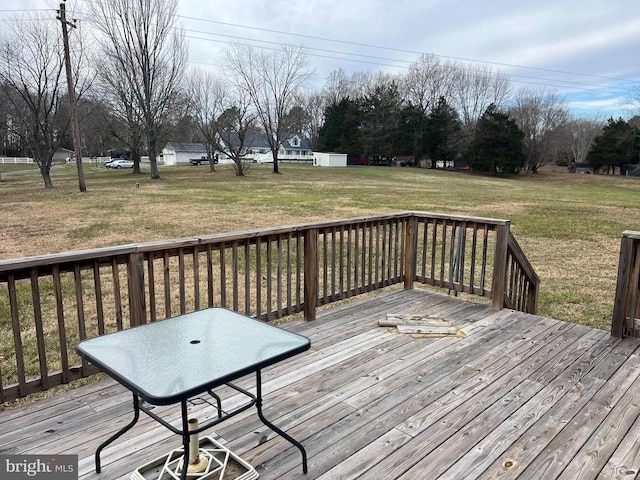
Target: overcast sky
<point x="588" y="50"/>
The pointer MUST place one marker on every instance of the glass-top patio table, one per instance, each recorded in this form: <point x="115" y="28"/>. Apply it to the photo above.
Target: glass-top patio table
<point x="174" y="360"/>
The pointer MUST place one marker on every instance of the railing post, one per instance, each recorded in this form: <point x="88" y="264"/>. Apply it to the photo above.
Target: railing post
<point x="500" y="266"/>
<point x="410" y="255"/>
<point x="135" y="280"/>
<point x="310" y="273"/>
<point x="624" y="284"/>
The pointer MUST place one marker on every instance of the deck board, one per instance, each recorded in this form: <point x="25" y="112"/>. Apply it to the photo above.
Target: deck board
<point x="517" y="396"/>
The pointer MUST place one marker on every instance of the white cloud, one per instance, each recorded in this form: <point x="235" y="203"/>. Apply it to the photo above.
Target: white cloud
<point x="582" y="36"/>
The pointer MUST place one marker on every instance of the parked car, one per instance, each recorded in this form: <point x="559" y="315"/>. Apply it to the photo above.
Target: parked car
<point x="203" y="160"/>
<point x="119" y="164"/>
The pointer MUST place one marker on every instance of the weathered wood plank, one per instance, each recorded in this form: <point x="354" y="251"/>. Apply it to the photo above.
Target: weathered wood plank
<point x="518" y="394"/>
<point x="529" y="446"/>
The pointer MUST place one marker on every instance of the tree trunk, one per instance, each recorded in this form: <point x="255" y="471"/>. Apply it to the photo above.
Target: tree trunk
<point x="135" y="156"/>
<point x="238" y="167"/>
<point x="46" y="176"/>
<point x="274" y="154"/>
<point x="153" y="162"/>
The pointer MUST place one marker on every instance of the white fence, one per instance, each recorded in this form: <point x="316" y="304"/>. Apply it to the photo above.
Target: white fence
<point x="16" y="160"/>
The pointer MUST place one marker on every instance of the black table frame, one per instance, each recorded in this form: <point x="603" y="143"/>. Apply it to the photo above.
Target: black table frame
<point x="139" y="404"/>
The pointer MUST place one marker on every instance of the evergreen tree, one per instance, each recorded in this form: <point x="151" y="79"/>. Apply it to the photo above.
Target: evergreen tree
<point x="411" y="132"/>
<point x="617" y="145"/>
<point x="339" y="133"/>
<point x="443" y="132"/>
<point x="380" y="113"/>
<point x="497" y="144"/>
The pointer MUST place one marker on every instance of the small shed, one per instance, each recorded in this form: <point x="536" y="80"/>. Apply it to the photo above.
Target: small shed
<point x="181" y="153"/>
<point x="329" y="159"/>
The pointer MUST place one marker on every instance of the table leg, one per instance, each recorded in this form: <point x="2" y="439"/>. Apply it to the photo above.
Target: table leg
<point x="218" y="402"/>
<point x="136" y="415"/>
<point x="280" y="432"/>
<point x="185" y="440"/>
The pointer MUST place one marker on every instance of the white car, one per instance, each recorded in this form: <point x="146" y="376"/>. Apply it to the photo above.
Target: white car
<point x="119" y="164"/>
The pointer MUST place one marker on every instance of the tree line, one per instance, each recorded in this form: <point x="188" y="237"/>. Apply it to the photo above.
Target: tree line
<point x="135" y="91"/>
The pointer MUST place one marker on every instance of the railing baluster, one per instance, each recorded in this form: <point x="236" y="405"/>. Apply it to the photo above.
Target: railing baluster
<point x="17" y="337"/>
<point x="483" y="272"/>
<point x="279" y="277"/>
<point x="325" y="267"/>
<point x="474" y="246"/>
<point x="210" y="275"/>
<point x="37" y="318"/>
<point x="310" y="273"/>
<point x="259" y="278"/>
<point x="153" y="315"/>
<point x="269" y="279"/>
<point x="181" y="282"/>
<point x="62" y="331"/>
<point x="223" y="276"/>
<point x="166" y="267"/>
<point x="97" y="286"/>
<point x="234" y="269"/>
<point x="341" y="262"/>
<point x="289" y="272"/>
<point x="299" y="262"/>
<point x="247" y="277"/>
<point x="196" y="279"/>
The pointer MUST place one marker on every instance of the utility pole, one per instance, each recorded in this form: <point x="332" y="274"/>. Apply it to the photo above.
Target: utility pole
<point x="75" y="130"/>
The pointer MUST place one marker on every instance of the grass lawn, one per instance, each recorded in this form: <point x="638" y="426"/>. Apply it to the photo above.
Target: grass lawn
<point x="568" y="225"/>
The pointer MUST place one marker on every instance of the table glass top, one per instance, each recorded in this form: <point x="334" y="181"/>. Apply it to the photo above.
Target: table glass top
<point x="177" y="358"/>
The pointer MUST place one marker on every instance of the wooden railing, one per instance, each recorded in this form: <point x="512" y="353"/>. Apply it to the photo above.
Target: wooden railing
<point x="626" y="308"/>
<point x="49" y="303"/>
<point x="522" y="282"/>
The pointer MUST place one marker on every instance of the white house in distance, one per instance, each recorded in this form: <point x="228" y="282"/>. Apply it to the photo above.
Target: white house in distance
<point x="295" y="148"/>
<point x="329" y="159"/>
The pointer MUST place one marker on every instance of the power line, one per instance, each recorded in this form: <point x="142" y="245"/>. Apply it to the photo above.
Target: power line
<point x="602" y="88"/>
<point x="347" y="42"/>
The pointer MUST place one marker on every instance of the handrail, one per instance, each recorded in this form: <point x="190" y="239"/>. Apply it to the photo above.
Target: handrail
<point x="523" y="283"/>
<point x="50" y="302"/>
<point x="626" y="308"/>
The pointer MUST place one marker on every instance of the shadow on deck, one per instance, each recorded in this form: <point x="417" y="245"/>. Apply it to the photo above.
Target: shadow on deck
<point x="520" y="396"/>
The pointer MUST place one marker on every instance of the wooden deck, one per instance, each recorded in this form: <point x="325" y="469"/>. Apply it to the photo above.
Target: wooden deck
<point x="520" y="396"/>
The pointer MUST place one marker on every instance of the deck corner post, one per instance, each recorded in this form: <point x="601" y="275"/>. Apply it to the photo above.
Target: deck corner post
<point x="135" y="277"/>
<point x="310" y="273"/>
<point x="500" y="265"/>
<point x="410" y="255"/>
<point x="623" y="286"/>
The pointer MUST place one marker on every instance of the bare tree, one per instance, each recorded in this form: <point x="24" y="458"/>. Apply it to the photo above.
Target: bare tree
<point x="272" y="80"/>
<point x="236" y="132"/>
<point x="337" y="87"/>
<point x="146" y="57"/>
<point x="633" y="98"/>
<point x="428" y="80"/>
<point x="314" y="104"/>
<point x="539" y="114"/>
<point x="207" y="93"/>
<point x="34" y="89"/>
<point x="582" y="131"/>
<point x="474" y="89"/>
<point x="225" y="121"/>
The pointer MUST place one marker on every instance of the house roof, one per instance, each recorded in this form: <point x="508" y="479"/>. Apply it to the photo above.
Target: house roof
<point x="303" y="145"/>
<point x="186" y="147"/>
<point x="258" y="141"/>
